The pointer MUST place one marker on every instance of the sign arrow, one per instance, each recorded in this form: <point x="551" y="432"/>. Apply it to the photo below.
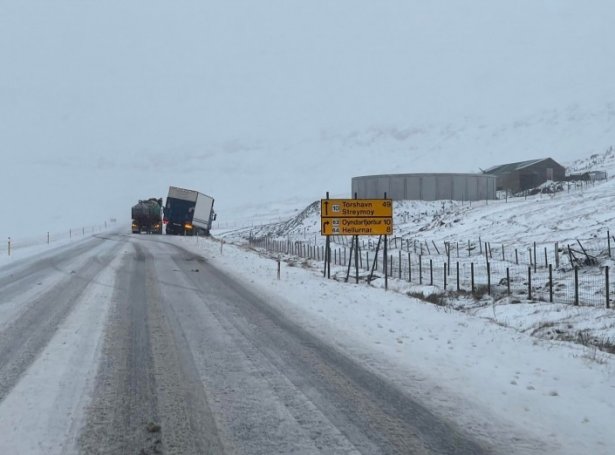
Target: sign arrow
<point x="324" y="226"/>
<point x="326" y="208"/>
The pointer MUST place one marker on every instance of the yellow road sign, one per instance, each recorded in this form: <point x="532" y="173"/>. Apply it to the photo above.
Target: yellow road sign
<point x="357" y="226"/>
<point x="363" y="208"/>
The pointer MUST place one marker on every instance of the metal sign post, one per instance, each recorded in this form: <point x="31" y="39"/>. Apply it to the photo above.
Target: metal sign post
<point x="354" y="218"/>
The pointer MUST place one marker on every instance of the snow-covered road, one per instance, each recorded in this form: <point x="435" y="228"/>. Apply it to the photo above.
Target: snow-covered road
<point x="150" y="344"/>
<point x="130" y="344"/>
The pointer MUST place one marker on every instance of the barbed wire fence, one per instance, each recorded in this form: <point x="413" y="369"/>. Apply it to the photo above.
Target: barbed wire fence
<point x="12" y="245"/>
<point x="568" y="273"/>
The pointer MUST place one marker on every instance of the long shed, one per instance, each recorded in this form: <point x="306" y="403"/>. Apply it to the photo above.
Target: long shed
<point x="525" y="175"/>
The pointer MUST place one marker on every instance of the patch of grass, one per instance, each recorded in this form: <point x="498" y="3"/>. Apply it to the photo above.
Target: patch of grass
<point x="436" y="299"/>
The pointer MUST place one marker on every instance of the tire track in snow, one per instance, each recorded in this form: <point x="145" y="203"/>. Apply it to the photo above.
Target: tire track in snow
<point x="25" y="337"/>
<point x="147" y="399"/>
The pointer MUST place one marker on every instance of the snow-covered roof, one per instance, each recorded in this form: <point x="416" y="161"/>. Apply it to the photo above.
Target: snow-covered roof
<point x="511" y="167"/>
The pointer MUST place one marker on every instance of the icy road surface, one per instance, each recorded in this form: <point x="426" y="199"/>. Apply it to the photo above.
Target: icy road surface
<point x="131" y="344"/>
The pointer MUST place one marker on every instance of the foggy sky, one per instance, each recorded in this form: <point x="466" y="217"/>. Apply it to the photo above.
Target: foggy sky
<point x="113" y="101"/>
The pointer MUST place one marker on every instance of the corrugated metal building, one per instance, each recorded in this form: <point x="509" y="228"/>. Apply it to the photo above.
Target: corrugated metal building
<point x="525" y="175"/>
<point x="426" y="187"/>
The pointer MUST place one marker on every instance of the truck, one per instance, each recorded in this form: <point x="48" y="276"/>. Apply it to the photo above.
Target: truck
<point x="188" y="212"/>
<point x="147" y="216"/>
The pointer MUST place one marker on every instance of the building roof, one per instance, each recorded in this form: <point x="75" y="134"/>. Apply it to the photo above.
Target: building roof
<point x="511" y="167"/>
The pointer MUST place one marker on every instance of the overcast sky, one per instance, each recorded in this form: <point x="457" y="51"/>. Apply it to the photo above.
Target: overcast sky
<point x="111" y="101"/>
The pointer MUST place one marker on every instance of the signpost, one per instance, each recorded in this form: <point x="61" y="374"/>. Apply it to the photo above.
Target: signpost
<point x="355" y="217"/>
<point x="357" y="226"/>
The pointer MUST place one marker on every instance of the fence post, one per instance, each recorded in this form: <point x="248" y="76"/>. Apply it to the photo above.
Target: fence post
<point x="550" y="283"/>
<point x="445" y="277"/>
<point x="420" y="269"/>
<point x="469" y="250"/>
<point x="556" y="255"/>
<point x="9" y="247"/>
<point x="576" y="285"/>
<point x="606" y="280"/>
<point x="516" y="257"/>
<point x="431" y="272"/>
<point x="47" y="238"/>
<point x="409" y="268"/>
<point x="508" y="280"/>
<point x="529" y="282"/>
<point x="488" y="279"/>
<point x="608" y="239"/>
<point x="546" y="259"/>
<point x="503" y="256"/>
<point x="472" y="275"/>
<point x="400" y="264"/>
<point x="457" y="276"/>
<point x="279" y="267"/>
<point x="535" y="258"/>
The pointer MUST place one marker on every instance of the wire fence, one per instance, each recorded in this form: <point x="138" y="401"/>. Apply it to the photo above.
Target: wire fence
<point x="540" y="272"/>
<point x="12" y="245"/>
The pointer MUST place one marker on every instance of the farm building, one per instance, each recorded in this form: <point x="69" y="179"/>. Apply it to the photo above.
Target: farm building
<point x="525" y="175"/>
<point x="426" y="187"/>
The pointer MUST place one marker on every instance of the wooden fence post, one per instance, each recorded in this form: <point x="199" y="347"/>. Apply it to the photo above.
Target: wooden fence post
<point x="508" y="279"/>
<point x="472" y="275"/>
<point x="576" y="285"/>
<point x="457" y="276"/>
<point x="420" y="269"/>
<point x="606" y="281"/>
<point x="529" y="282"/>
<point x="550" y="283"/>
<point x="431" y="272"/>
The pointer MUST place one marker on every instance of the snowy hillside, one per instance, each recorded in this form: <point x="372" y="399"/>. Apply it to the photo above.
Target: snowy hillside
<point x="518" y="233"/>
